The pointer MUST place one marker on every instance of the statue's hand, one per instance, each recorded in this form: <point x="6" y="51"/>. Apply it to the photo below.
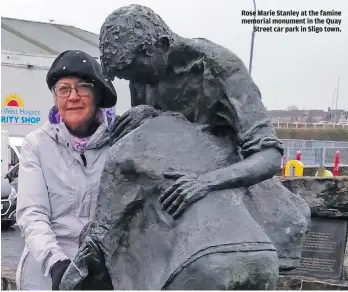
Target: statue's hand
<point x="98" y="276"/>
<point x="132" y="119"/>
<point x="187" y="189"/>
<point x="95" y="259"/>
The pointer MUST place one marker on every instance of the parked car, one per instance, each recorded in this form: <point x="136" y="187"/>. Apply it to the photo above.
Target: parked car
<point x="12" y="176"/>
<point x="9" y="187"/>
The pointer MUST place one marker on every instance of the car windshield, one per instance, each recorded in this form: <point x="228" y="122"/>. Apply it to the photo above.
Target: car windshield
<point x="14" y="157"/>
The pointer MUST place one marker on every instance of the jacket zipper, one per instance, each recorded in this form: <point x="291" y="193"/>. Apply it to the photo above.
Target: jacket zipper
<point x="83" y="157"/>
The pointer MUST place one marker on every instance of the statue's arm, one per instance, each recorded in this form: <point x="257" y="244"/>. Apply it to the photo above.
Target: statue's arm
<point x="254" y="169"/>
<point x="244" y="112"/>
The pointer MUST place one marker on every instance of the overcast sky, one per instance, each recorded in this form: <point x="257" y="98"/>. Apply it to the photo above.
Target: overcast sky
<point x="293" y="68"/>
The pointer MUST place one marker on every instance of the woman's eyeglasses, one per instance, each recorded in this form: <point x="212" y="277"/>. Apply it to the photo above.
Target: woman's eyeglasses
<point x="82" y="89"/>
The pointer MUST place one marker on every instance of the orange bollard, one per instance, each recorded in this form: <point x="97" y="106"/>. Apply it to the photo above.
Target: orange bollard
<point x="336" y="164"/>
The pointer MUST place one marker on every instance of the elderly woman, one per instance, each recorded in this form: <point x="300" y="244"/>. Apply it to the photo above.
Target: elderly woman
<point x="60" y="169"/>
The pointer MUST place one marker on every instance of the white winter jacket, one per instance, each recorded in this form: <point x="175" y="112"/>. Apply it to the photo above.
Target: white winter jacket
<point x="57" y="195"/>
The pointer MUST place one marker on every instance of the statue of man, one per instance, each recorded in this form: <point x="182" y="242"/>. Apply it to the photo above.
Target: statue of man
<point x="195" y="110"/>
<point x="204" y="81"/>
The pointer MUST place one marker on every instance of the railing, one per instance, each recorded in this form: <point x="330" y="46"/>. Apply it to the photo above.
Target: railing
<point x="309" y="126"/>
<point x="316" y="156"/>
<point x="297" y="143"/>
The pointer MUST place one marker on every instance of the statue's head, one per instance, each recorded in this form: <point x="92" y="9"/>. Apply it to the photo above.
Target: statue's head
<point x="134" y="43"/>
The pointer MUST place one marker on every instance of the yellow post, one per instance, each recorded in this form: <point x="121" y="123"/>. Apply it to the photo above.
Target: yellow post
<point x="298" y="166"/>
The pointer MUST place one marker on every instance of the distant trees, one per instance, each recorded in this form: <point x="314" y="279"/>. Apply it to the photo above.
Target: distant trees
<point x="292" y="107"/>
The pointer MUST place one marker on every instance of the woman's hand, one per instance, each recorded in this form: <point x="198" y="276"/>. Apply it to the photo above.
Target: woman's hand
<point x="188" y="189"/>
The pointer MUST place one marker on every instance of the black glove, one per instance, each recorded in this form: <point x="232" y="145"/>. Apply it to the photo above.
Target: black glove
<point x="132" y="119"/>
<point x="57" y="272"/>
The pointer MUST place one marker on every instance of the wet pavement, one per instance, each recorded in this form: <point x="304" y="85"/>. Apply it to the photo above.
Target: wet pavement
<point x="11" y="249"/>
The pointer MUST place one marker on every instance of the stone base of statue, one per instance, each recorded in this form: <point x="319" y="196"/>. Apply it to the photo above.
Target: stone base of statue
<point x="227" y="240"/>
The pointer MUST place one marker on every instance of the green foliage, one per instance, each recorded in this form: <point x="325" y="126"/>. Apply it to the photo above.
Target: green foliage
<point x="314" y="134"/>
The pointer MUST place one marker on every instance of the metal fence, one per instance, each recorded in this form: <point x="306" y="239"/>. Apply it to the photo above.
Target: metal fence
<point x="313" y="143"/>
<point x="308" y="126"/>
<point x="316" y="156"/>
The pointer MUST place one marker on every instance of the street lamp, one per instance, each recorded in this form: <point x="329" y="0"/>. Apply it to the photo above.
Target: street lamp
<point x="338" y="86"/>
<point x="332" y="106"/>
<point x="252" y="41"/>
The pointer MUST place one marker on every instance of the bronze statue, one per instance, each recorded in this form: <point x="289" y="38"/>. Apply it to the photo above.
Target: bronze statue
<point x="188" y="198"/>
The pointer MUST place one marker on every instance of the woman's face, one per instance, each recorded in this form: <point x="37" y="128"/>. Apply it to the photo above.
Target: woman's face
<point x="75" y="100"/>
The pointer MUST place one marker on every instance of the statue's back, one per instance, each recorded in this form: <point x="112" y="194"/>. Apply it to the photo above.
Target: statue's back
<point x="153" y="248"/>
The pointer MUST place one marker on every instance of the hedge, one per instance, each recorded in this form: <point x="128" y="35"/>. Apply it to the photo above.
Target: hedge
<point x="313" y="134"/>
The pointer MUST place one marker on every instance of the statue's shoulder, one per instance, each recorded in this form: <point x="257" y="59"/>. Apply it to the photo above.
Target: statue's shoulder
<point x="186" y="52"/>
